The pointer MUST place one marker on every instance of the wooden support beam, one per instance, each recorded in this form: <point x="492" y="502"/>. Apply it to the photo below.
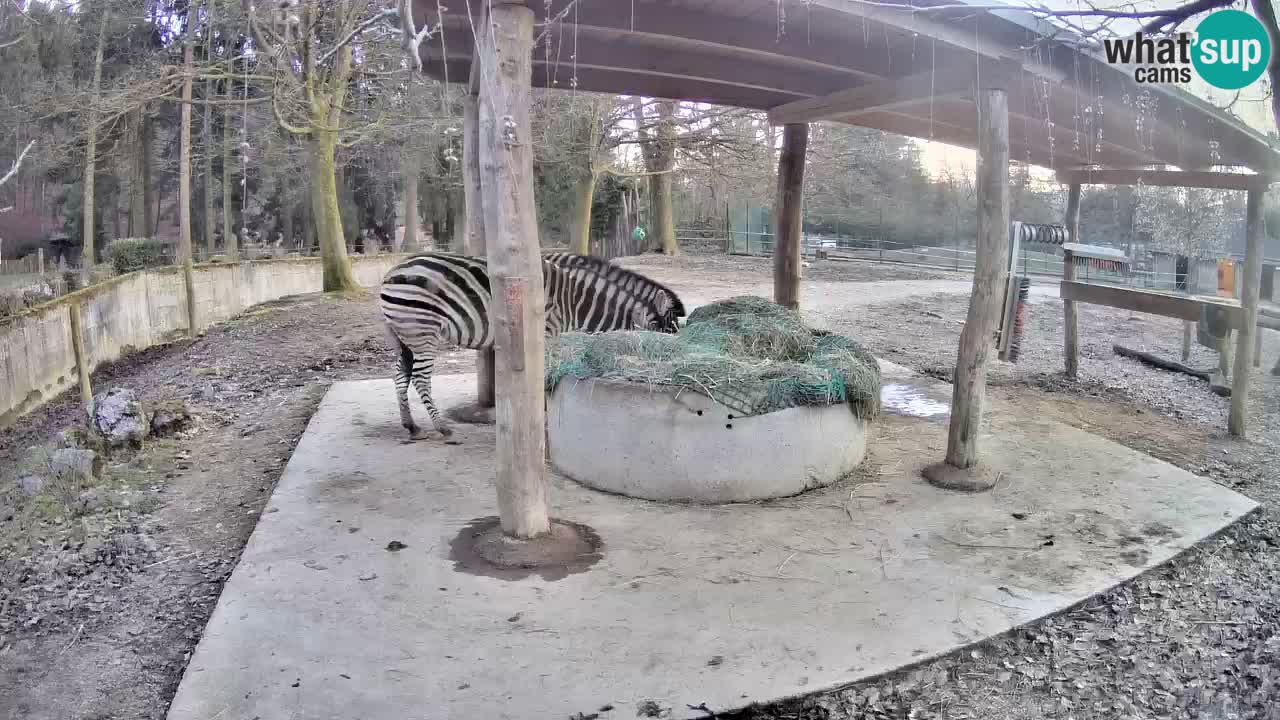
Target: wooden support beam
<point x="879" y="95"/>
<point x="473" y="242"/>
<point x="1165" y="178"/>
<point x="1071" y="319"/>
<point x="790" y="220"/>
<point x="1237" y="421"/>
<point x="82" y="357"/>
<point x="600" y="54"/>
<point x="969" y="393"/>
<point x="1181" y="307"/>
<point x="516" y="314"/>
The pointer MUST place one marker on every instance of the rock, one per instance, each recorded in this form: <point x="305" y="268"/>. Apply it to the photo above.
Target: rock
<point x="84" y="466"/>
<point x="120" y="419"/>
<point x="169" y="417"/>
<point x="88" y="501"/>
<point x="80" y="437"/>
<point x="31" y="484"/>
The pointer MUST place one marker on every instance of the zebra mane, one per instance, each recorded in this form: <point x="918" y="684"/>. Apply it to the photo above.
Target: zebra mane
<point x="610" y="271"/>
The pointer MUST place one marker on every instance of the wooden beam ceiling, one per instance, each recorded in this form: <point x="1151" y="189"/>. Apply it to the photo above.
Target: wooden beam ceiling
<point x="1165" y="178"/>
<point x="879" y="95"/>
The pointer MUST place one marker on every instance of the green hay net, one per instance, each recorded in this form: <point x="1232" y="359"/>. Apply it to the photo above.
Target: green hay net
<point x="747" y="353"/>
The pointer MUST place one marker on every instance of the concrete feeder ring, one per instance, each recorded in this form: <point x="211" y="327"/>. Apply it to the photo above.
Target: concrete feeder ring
<point x="657" y="443"/>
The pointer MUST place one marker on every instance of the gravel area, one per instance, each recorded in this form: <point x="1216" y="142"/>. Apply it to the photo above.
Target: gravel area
<point x="92" y="633"/>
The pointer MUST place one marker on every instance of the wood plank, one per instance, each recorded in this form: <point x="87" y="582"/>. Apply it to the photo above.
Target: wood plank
<point x="82" y="357"/>
<point x="790" y="226"/>
<point x="558" y="61"/>
<point x="1071" y="317"/>
<point x="515" y="268"/>
<point x="1181" y="307"/>
<point x="673" y="30"/>
<point x="880" y="95"/>
<point x="629" y="82"/>
<point x="969" y="393"/>
<point x="952" y="37"/>
<point x="1238" y="419"/>
<point x="1165" y="178"/>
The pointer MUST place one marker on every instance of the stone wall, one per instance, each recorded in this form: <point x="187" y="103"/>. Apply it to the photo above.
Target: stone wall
<point x="136" y="311"/>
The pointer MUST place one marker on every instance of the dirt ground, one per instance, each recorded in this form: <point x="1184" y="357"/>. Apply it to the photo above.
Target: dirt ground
<point x="101" y="607"/>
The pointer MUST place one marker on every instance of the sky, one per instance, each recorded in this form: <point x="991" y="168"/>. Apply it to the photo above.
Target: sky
<point x="1253" y="106"/>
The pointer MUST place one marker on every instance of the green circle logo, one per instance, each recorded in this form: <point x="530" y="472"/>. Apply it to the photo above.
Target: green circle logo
<point x="1232" y="49"/>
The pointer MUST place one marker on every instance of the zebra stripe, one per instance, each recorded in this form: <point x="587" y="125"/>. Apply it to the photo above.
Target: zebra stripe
<point x="663" y="302"/>
<point x="438" y="300"/>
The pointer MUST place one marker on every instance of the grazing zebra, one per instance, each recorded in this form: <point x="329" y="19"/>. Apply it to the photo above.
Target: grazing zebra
<point x="665" y="304"/>
<point x="438" y="300"/>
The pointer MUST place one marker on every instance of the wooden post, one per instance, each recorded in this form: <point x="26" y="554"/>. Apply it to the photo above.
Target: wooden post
<point x="473" y="239"/>
<point x="82" y="357"/>
<point x="515" y="266"/>
<point x="790" y="219"/>
<point x="40" y="261"/>
<point x="1071" y="320"/>
<point x="1187" y="329"/>
<point x="969" y="393"/>
<point x="184" y="191"/>
<point x="1249" y="291"/>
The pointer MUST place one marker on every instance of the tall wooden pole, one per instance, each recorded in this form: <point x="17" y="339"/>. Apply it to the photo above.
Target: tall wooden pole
<point x="473" y="239"/>
<point x="790" y="221"/>
<point x="969" y="393"/>
<point x="515" y="266"/>
<point x="1071" y="320"/>
<point x="1249" y="292"/>
<point x="184" y="189"/>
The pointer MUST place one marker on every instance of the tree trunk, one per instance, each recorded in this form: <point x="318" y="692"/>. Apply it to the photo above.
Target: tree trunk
<point x="969" y="392"/>
<point x="328" y="218"/>
<point x="789" y="237"/>
<point x="410" y="170"/>
<point x="286" y="220"/>
<point x="140" y="204"/>
<point x="1070" y="315"/>
<point x="584" y="191"/>
<point x="664" y="224"/>
<point x="88" y="254"/>
<point x="1237" y="420"/>
<point x="230" y="238"/>
<point x="184" y="188"/>
<point x="511" y="232"/>
<point x="210" y="226"/>
<point x="473" y="231"/>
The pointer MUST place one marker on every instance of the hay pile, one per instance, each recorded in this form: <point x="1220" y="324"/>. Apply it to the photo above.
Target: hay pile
<point x="747" y="353"/>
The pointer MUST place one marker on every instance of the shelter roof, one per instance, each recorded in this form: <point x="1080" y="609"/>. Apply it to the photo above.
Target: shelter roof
<point x="876" y="64"/>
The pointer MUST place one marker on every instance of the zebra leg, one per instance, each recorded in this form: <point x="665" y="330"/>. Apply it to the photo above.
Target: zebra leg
<point x="403" y="369"/>
<point x="424" y="363"/>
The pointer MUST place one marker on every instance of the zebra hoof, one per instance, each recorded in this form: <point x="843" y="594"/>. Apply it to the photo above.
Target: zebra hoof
<point x="445" y="432"/>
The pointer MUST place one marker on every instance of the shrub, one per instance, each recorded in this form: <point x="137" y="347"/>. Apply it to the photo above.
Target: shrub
<point x="130" y="254"/>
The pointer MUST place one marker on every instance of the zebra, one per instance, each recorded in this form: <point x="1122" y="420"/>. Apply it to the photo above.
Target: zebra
<point x="437" y="300"/>
<point x="665" y="303"/>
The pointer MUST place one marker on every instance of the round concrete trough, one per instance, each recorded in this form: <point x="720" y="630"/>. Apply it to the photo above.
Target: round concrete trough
<point x="659" y="444"/>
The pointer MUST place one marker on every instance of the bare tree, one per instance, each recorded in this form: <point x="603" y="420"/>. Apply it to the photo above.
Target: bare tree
<point x="314" y="65"/>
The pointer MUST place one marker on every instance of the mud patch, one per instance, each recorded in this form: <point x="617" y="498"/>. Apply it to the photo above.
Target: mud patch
<point x="481" y="548"/>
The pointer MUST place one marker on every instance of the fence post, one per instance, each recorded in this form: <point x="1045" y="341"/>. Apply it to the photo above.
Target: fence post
<point x="82" y="358"/>
<point x="40" y="260"/>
